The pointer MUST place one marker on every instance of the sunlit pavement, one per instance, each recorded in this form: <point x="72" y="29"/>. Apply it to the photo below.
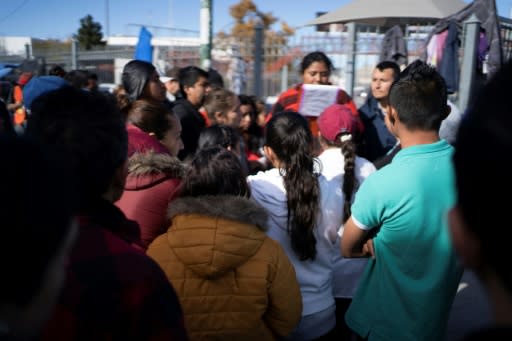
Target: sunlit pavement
<point x="470" y="310"/>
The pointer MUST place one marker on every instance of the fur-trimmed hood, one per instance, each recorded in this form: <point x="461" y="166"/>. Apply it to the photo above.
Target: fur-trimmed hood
<point x="211" y="235"/>
<point x="227" y="207"/>
<point x="149" y="168"/>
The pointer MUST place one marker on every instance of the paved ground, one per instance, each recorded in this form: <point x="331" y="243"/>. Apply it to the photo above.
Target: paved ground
<point x="470" y="309"/>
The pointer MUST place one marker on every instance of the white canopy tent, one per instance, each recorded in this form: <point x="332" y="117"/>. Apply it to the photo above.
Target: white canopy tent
<point x="386" y="13"/>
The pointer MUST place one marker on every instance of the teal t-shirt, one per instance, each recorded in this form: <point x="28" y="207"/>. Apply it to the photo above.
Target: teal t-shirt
<point x="406" y="292"/>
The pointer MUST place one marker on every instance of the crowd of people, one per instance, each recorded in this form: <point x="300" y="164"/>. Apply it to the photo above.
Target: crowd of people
<point x="176" y="209"/>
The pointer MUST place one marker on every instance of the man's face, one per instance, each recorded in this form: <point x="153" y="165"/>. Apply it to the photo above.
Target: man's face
<point x="381" y="83"/>
<point x="197" y="92"/>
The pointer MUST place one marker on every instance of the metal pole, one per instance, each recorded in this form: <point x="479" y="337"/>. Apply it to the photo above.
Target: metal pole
<point x="284" y="78"/>
<point x="468" y="68"/>
<point x="258" y="53"/>
<point x="27" y="51"/>
<point x="206" y="33"/>
<point x="74" y="56"/>
<point x="351" y="58"/>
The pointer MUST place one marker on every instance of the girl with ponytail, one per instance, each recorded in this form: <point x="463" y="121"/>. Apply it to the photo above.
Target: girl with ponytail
<point x="300" y="202"/>
<point x="338" y="133"/>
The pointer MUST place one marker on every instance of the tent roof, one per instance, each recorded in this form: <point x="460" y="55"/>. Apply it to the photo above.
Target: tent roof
<point x="387" y="13"/>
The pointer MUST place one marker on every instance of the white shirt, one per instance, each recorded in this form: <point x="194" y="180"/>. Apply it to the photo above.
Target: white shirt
<point x="346" y="272"/>
<point x="314" y="277"/>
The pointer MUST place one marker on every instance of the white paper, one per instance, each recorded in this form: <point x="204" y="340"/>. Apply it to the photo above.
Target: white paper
<point x="315" y="98"/>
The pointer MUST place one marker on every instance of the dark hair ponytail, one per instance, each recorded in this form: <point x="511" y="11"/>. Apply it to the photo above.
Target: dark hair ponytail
<point x="289" y="137"/>
<point x="348" y="149"/>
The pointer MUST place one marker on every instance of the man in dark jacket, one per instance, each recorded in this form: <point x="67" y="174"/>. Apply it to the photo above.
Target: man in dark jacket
<point x="194" y="87"/>
<point x="377" y="140"/>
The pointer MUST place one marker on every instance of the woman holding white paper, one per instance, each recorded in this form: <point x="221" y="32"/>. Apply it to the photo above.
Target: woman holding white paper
<point x="315" y="68"/>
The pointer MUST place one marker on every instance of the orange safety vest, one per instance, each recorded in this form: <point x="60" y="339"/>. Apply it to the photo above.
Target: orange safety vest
<point x="20" y="115"/>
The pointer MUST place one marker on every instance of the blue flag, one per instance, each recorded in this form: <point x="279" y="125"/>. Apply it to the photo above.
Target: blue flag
<point x="144" y="50"/>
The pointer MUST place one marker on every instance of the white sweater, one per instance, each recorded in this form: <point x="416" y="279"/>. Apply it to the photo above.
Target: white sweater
<point x="314" y="277"/>
<point x="347" y="271"/>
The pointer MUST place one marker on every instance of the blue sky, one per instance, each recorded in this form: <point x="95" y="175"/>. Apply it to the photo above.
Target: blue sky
<point x="59" y="19"/>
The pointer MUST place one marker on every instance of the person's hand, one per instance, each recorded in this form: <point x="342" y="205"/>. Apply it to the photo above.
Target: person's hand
<point x="368" y="249"/>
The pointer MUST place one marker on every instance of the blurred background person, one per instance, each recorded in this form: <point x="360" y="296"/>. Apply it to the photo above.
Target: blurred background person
<point x="315" y="68"/>
<point x="252" y="133"/>
<point x="221" y="136"/>
<point x="92" y="81"/>
<point x="222" y="107"/>
<point x="16" y="106"/>
<point x="140" y="80"/>
<point x="109" y="279"/>
<point x="57" y="70"/>
<point x="38" y="224"/>
<point x="483" y="146"/>
<point x="154" y="171"/>
<point x="194" y="87"/>
<point x="377" y="139"/>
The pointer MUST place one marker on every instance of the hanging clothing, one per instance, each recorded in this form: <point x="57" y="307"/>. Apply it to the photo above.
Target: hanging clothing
<point x="449" y="63"/>
<point x="394" y="46"/>
<point x="485" y="11"/>
<point x="435" y="48"/>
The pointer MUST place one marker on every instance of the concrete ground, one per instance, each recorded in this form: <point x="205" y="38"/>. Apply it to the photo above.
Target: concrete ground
<point x="470" y="310"/>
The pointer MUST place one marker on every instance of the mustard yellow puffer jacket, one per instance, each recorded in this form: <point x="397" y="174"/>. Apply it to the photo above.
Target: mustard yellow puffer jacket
<point x="234" y="282"/>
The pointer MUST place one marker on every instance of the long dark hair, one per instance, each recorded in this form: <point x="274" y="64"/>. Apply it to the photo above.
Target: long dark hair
<point x="350" y="183"/>
<point x="289" y="137"/>
<point x="215" y="171"/>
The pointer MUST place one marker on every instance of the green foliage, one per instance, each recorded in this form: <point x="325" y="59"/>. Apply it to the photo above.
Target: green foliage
<point x="89" y="34"/>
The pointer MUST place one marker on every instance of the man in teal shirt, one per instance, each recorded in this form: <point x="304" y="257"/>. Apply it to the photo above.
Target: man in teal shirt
<point x="399" y="219"/>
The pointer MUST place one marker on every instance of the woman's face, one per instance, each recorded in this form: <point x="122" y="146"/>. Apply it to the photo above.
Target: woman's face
<point x="232" y="116"/>
<point x="154" y="89"/>
<point x="245" y="113"/>
<point x="316" y="73"/>
<point x="172" y="138"/>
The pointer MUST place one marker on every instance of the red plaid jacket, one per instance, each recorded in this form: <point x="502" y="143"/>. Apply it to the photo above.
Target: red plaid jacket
<point x="113" y="291"/>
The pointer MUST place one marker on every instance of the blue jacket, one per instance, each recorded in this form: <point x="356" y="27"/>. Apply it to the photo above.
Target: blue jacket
<point x="377" y="140"/>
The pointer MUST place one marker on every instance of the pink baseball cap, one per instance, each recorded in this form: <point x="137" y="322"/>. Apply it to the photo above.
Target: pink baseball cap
<point x="336" y="119"/>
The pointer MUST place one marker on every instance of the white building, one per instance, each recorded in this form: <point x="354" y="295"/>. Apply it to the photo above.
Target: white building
<point x="20" y="46"/>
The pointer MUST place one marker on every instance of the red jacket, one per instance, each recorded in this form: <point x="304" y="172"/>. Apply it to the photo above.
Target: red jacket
<point x="150" y="186"/>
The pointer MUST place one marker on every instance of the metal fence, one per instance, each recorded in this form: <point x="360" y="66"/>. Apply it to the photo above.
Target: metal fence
<point x="281" y="57"/>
